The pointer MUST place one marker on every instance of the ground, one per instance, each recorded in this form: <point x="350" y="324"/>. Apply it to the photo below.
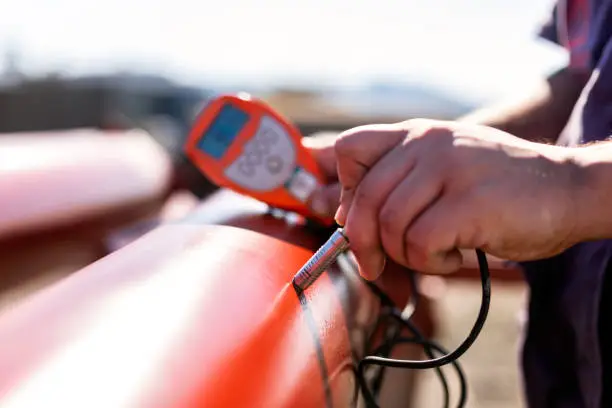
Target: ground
<point x="492" y="364"/>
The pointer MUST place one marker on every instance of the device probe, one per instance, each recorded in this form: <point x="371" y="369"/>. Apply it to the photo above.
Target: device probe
<point x="320" y="260"/>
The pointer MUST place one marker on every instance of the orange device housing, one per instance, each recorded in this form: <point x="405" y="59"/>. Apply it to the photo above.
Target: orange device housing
<point x="241" y="141"/>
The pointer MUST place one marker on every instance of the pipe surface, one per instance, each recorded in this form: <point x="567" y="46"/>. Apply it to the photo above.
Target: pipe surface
<point x="195" y="313"/>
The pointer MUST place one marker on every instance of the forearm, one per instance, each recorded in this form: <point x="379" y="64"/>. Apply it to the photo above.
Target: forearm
<point x="542" y="115"/>
<point x="585" y="178"/>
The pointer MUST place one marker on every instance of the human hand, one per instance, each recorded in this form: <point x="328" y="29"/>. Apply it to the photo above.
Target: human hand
<point x="325" y="200"/>
<point x="421" y="190"/>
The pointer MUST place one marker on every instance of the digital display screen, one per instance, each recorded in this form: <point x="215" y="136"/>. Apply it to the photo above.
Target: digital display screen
<point x="222" y="131"/>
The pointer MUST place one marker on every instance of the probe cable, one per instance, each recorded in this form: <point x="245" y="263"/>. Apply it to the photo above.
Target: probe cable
<point x="429" y="346"/>
<point x="394" y="338"/>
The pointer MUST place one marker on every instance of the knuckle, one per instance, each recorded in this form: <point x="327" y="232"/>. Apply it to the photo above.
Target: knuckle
<point x="417" y="123"/>
<point x="363" y="198"/>
<point x="411" y="124"/>
<point x="351" y="141"/>
<point x="344" y="144"/>
<point x="420" y="240"/>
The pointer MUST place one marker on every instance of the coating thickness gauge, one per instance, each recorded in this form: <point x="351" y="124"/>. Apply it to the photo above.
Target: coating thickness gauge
<point x="241" y="143"/>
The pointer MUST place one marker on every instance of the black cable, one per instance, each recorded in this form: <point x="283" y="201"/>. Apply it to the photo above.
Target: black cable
<point x="463" y="347"/>
<point x="420" y="338"/>
<point x="394" y="332"/>
<point x="395" y="339"/>
<point x="392" y="311"/>
<point x="439" y="349"/>
<point x="436" y="363"/>
<point x="387" y="346"/>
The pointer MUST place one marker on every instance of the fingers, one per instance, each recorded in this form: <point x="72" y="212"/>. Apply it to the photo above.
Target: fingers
<point x="417" y="191"/>
<point x="387" y="200"/>
<point x="357" y="150"/>
<point x="420" y="222"/>
<point x="431" y="242"/>
<point x="362" y="221"/>
<point x="325" y="200"/>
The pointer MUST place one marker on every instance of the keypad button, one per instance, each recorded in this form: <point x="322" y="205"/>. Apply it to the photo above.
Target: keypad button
<point x="267" y="160"/>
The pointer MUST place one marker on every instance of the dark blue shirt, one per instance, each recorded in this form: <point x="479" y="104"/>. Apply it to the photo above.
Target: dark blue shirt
<point x="566" y="348"/>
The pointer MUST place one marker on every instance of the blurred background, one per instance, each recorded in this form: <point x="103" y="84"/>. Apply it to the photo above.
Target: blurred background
<point x="326" y="65"/>
<point x="318" y="61"/>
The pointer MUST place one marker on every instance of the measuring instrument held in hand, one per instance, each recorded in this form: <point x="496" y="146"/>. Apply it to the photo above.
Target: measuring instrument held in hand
<point x="241" y="143"/>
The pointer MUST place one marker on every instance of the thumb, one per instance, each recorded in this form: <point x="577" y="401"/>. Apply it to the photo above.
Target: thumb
<point x="325" y="200"/>
<point x="357" y="150"/>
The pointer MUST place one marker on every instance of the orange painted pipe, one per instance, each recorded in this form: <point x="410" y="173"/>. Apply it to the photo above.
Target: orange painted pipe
<point x="63" y="192"/>
<point x="49" y="179"/>
<point x="193" y="314"/>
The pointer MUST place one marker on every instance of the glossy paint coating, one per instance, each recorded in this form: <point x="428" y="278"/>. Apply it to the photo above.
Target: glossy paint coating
<point x="188" y="316"/>
<point x="52" y="178"/>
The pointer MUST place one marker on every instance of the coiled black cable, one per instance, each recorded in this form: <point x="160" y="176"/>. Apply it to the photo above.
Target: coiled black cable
<point x="385" y="349"/>
<point x="379" y="358"/>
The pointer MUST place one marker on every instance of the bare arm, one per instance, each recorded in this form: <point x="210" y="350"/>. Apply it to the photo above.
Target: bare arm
<point x="542" y="115"/>
<point x="590" y="190"/>
<point x="539" y="117"/>
<point x="593" y="191"/>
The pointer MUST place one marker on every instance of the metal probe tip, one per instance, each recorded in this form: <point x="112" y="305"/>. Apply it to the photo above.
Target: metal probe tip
<point x="318" y="263"/>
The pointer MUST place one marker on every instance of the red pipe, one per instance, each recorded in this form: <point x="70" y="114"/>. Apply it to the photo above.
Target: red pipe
<point x="190" y="315"/>
<point x="49" y="179"/>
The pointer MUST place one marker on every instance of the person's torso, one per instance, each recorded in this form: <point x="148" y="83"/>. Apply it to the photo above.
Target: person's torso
<point x="563" y="351"/>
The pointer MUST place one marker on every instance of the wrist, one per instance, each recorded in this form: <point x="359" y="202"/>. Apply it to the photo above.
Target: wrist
<point x="590" y="191"/>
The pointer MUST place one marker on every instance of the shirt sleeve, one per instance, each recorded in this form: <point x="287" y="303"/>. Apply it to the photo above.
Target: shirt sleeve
<point x="548" y="30"/>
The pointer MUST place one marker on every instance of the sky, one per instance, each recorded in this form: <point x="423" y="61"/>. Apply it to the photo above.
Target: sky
<point x="486" y="47"/>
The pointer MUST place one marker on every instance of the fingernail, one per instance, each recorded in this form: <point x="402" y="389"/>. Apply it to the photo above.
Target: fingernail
<point x="373" y="267"/>
<point x="339" y="217"/>
<point x="319" y="205"/>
